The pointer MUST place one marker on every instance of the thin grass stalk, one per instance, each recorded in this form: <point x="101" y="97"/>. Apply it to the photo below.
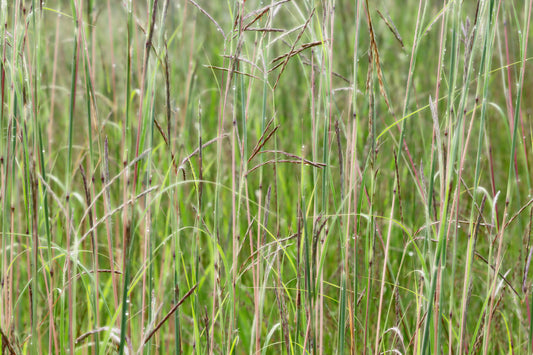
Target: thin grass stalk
<point x="144" y="133"/>
<point x="195" y="260"/>
<point x="436" y="154"/>
<point x="89" y="80"/>
<point x="328" y="110"/>
<point x="253" y="256"/>
<point x="91" y="38"/>
<point x="112" y="57"/>
<point x="124" y="312"/>
<point x="33" y="68"/>
<point x="195" y="265"/>
<point x="298" y="289"/>
<point x="153" y="223"/>
<point x="146" y="118"/>
<point x="314" y="135"/>
<point x="371" y="224"/>
<point x="257" y="307"/>
<point x="70" y="258"/>
<point x="94" y="244"/>
<point x="74" y="77"/>
<point x="345" y="246"/>
<point x="7" y="159"/>
<point x="235" y="181"/>
<point x="143" y="90"/>
<point x="109" y="233"/>
<point x="370" y="164"/>
<point x="312" y="257"/>
<point x="508" y="197"/>
<point x="69" y="336"/>
<point x="367" y="261"/>
<point x="319" y="304"/>
<point x="51" y="123"/>
<point x="456" y="226"/>
<point x="176" y="256"/>
<point x="244" y="98"/>
<point x="52" y="336"/>
<point x="412" y="66"/>
<point x="7" y="203"/>
<point x="127" y="220"/>
<point x="530" y="337"/>
<point x="10" y="220"/>
<point x="4" y="99"/>
<point x="9" y="217"/>
<point x="32" y="223"/>
<point x="383" y="274"/>
<point x="352" y="163"/>
<point x="149" y="223"/>
<point x="15" y="104"/>
<point x="509" y="97"/>
<point x="7" y="243"/>
<point x="307" y="269"/>
<point x="126" y="128"/>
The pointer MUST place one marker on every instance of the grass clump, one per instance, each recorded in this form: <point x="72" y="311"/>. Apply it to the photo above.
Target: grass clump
<point x="265" y="177"/>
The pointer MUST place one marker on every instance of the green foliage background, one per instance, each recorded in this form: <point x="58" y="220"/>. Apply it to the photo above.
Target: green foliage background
<point x="266" y="177"/>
